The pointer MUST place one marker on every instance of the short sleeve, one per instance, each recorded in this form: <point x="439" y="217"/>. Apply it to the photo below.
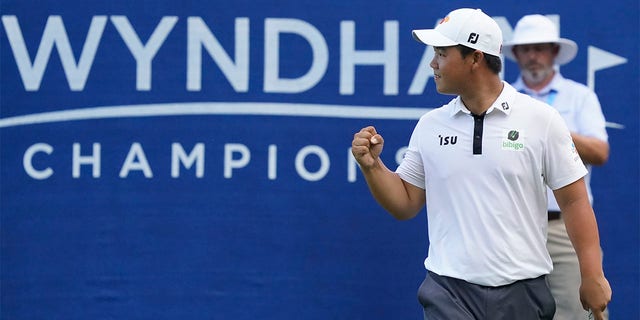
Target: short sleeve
<point x="590" y="119"/>
<point x="411" y="169"/>
<point x="562" y="164"/>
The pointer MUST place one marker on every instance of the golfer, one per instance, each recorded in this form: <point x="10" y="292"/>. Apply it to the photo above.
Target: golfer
<point x="481" y="164"/>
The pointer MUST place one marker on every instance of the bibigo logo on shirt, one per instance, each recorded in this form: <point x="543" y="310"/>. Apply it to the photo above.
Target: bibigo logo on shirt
<point x="513" y="141"/>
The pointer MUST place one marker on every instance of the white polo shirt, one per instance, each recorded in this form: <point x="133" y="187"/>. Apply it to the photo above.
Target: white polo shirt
<point x="579" y="107"/>
<point x="485" y="181"/>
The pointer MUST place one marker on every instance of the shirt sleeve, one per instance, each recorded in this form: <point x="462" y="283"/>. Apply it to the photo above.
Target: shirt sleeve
<point x="591" y="121"/>
<point x="563" y="165"/>
<point x="411" y="169"/>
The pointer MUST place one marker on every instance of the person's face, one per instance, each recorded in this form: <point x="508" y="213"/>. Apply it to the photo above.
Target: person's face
<point x="449" y="71"/>
<point x="536" y="61"/>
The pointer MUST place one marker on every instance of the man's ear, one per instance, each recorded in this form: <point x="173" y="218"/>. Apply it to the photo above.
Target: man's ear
<point x="478" y="56"/>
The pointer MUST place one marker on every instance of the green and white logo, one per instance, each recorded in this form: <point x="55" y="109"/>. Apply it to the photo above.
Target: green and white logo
<point x="513" y="141"/>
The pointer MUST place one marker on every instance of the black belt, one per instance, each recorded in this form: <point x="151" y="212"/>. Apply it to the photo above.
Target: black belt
<point x="554" y="215"/>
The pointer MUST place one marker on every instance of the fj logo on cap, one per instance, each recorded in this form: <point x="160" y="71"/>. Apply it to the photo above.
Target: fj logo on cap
<point x="473" y="38"/>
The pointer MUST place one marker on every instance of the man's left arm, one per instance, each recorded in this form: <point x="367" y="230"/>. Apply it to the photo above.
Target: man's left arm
<point x="579" y="218"/>
<point x="590" y="136"/>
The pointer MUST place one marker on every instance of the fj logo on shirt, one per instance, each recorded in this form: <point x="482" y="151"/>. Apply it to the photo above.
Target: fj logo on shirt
<point x="513" y="141"/>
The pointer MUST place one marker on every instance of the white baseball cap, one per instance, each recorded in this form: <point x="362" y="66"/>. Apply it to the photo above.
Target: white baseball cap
<point x="537" y="28"/>
<point x="469" y="27"/>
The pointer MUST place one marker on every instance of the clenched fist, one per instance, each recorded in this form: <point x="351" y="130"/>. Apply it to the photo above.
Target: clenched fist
<point x="367" y="146"/>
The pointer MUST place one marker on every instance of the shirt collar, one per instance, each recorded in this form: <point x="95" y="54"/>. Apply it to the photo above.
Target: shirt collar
<point x="503" y="103"/>
<point x="554" y="85"/>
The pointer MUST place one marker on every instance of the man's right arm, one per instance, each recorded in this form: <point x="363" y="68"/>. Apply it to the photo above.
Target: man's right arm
<point x="401" y="199"/>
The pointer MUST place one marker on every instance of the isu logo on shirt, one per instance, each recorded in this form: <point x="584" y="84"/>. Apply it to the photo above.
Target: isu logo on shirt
<point x="446" y="140"/>
<point x="512" y="141"/>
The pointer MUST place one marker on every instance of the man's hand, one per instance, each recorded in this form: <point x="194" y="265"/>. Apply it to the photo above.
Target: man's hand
<point x="595" y="294"/>
<point x="367" y="146"/>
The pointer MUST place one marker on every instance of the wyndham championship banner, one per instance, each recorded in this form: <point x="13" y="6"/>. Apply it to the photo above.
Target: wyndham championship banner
<point x="190" y="159"/>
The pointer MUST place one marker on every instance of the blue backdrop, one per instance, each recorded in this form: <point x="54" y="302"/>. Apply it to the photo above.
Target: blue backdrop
<point x="190" y="159"/>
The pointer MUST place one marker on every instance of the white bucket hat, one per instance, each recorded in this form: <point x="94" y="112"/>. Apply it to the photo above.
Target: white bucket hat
<point x="537" y="28"/>
<point x="469" y="27"/>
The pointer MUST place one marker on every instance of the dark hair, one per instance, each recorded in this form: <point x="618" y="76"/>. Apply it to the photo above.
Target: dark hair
<point x="493" y="62"/>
